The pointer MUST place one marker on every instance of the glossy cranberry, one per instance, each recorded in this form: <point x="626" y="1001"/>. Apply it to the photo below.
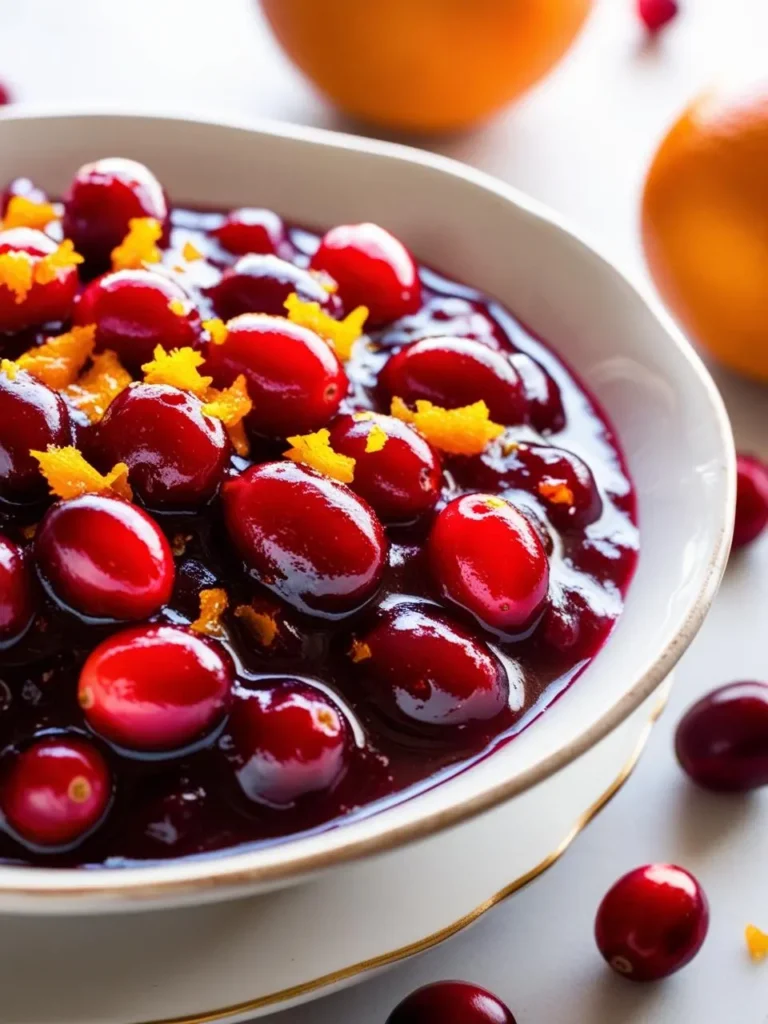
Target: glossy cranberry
<point x="132" y="312"/>
<point x="421" y="668"/>
<point x="23" y="187"/>
<point x="5" y="94"/>
<point x="155" y="688"/>
<point x="488" y="558"/>
<point x="32" y="416"/>
<point x="103" y="197"/>
<point x="261" y="284"/>
<point x="453" y="372"/>
<point x="561" y="481"/>
<point x="252" y="230"/>
<point x="655" y="14"/>
<point x="400" y="481"/>
<point x="652" y="922"/>
<point x="543" y="401"/>
<point x="17" y="602"/>
<point x="442" y="316"/>
<point x="751" y="499"/>
<point x="451" y="1002"/>
<point x="295" y="381"/>
<point x="44" y="303"/>
<point x="176" y="454"/>
<point x="57" y="790"/>
<point x="372" y="268"/>
<point x="104" y="558"/>
<point x="286" y="742"/>
<point x="722" y="740"/>
<point x="305" y="537"/>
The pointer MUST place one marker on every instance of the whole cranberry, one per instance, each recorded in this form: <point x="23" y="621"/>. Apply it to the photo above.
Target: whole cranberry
<point x="451" y="1002"/>
<point x="252" y="230"/>
<point x="561" y="481"/>
<point x="103" y="197"/>
<point x="421" y="668"/>
<point x="44" y="302"/>
<point x="23" y="187"/>
<point x="652" y="922"/>
<point x="400" y="480"/>
<point x="17" y="600"/>
<point x="56" y="791"/>
<point x="372" y="268"/>
<point x="722" y="740"/>
<point x="751" y="499"/>
<point x="261" y="284"/>
<point x="132" y="312"/>
<point x="6" y="95"/>
<point x="176" y="454"/>
<point x="488" y="558"/>
<point x="305" y="537"/>
<point x="104" y="558"/>
<point x="155" y="688"/>
<point x="543" y="400"/>
<point x="453" y="372"/>
<point x="295" y="381"/>
<point x="32" y="416"/>
<point x="287" y="741"/>
<point x="655" y="14"/>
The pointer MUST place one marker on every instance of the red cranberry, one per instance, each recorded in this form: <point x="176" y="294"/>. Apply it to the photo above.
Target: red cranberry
<point x="542" y="396"/>
<point x="103" y="197"/>
<point x="400" y="481"/>
<point x="451" y="1002"/>
<point x="751" y="499"/>
<point x="176" y="454"/>
<point x="5" y="94"/>
<point x="487" y="557"/>
<point x="261" y="284"/>
<point x="421" y="668"/>
<point x="722" y="741"/>
<point x="23" y="187"/>
<point x="295" y="381"/>
<point x="252" y="230"/>
<point x="305" y="537"/>
<point x="372" y="268"/>
<point x="652" y="922"/>
<point x="453" y="372"/>
<point x="561" y="481"/>
<point x="56" y="791"/>
<point x="132" y="312"/>
<point x="286" y="742"/>
<point x="104" y="558"/>
<point x="155" y="688"/>
<point x="32" y="416"/>
<point x="17" y="603"/>
<point x="655" y="14"/>
<point x="44" y="303"/>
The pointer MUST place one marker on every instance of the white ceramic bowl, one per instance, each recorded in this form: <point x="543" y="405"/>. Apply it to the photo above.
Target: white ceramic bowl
<point x="668" y="414"/>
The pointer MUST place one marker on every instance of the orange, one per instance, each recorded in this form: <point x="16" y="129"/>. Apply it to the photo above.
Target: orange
<point x="425" y="65"/>
<point x="705" y="225"/>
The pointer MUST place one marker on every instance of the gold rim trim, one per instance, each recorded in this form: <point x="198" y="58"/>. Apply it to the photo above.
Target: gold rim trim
<point x="422" y="945"/>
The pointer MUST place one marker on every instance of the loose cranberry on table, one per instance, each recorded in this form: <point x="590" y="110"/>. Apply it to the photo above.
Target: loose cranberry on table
<point x="372" y="268"/>
<point x="261" y="284"/>
<point x="56" y="791"/>
<point x="751" y="499"/>
<point x="451" y="1002"/>
<point x="34" y="303"/>
<point x="155" y="688"/>
<point x="286" y="742"/>
<point x="5" y="94"/>
<point x="105" y="558"/>
<point x="655" y="14"/>
<point x="652" y="922"/>
<point x="252" y="230"/>
<point x="17" y="596"/>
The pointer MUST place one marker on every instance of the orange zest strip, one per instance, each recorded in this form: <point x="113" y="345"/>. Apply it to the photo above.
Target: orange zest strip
<point x="28" y="532"/>
<point x="9" y="368"/>
<point x="139" y="245"/>
<point x="217" y="330"/>
<point x="213" y="604"/>
<point x="314" y="450"/>
<point x="230" y="405"/>
<point x="59" y="360"/>
<point x="47" y="268"/>
<point x="179" y="307"/>
<point x="69" y="475"/>
<point x="556" y="491"/>
<point x="757" y="942"/>
<point x="99" y="386"/>
<point x="191" y="252"/>
<point x="26" y="213"/>
<point x="178" y="368"/>
<point x="262" y="624"/>
<point x="377" y="438"/>
<point x="340" y="334"/>
<point x="464" y="431"/>
<point x="359" y="651"/>
<point x="16" y="271"/>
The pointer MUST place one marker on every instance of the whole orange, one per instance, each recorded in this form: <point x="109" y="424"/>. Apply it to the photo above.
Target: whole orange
<point x="425" y="65"/>
<point x="705" y="225"/>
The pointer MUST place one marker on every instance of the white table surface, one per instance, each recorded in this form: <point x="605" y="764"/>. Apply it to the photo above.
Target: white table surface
<point x="580" y="143"/>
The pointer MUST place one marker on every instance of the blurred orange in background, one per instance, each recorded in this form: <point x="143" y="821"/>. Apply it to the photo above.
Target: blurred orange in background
<point x="425" y="65"/>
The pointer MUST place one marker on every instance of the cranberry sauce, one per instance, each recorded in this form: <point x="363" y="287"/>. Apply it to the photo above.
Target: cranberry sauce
<point x="415" y="631"/>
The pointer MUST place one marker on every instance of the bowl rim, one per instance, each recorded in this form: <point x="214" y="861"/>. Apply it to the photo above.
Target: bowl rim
<point x="175" y="878"/>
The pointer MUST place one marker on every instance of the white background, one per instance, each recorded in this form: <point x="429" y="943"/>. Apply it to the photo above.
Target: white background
<point x="581" y="143"/>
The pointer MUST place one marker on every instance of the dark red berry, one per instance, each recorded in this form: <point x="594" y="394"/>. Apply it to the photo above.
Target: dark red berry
<point x="155" y="688"/>
<point x="655" y="14"/>
<point x="543" y="401"/>
<point x="751" y="499"/>
<point x="401" y="480"/>
<point x="44" y="302"/>
<point x="23" y="187"/>
<point x="487" y="558"/>
<point x="56" y="791"/>
<point x="372" y="268"/>
<point x="295" y="381"/>
<point x="6" y="96"/>
<point x="103" y="197"/>
<point x="286" y="742"/>
<point x="104" y="558"/>
<point x="176" y="454"/>
<point x="421" y="668"/>
<point x="133" y="313"/>
<point x="443" y="316"/>
<point x="454" y="372"/>
<point x="722" y="740"/>
<point x="252" y="230"/>
<point x="652" y="922"/>
<point x="561" y="481"/>
<point x="451" y="1002"/>
<point x="261" y="284"/>
<point x="305" y="537"/>
<point x="17" y="600"/>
